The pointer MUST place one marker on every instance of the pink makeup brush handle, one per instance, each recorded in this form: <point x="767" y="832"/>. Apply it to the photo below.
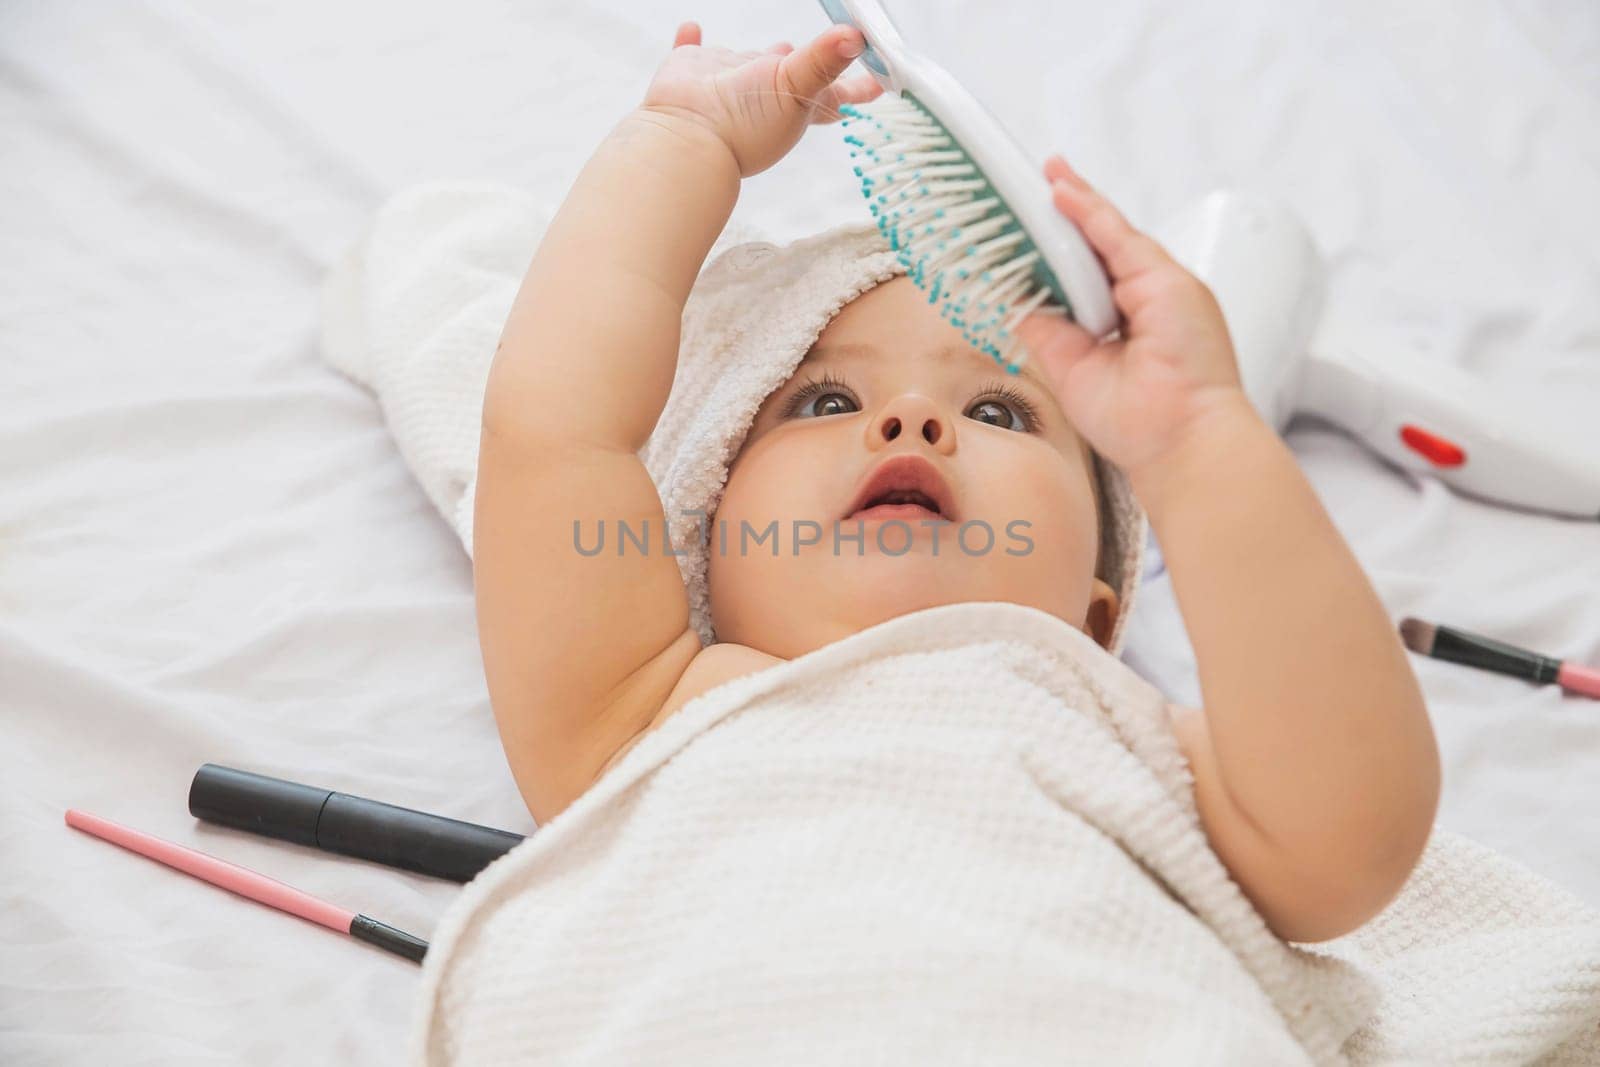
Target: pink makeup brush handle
<point x="240" y="880"/>
<point x="1575" y="678"/>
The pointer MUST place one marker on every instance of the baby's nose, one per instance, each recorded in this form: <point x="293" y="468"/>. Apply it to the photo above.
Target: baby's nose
<point x="912" y="413"/>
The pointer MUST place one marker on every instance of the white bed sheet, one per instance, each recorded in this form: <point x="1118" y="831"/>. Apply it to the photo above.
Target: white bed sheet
<point x="211" y="551"/>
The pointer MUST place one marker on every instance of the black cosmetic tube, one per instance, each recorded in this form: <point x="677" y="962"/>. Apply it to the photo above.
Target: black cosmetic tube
<point x="349" y="825"/>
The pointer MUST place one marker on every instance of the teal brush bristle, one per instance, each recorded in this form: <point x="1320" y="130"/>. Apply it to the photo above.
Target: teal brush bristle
<point x="953" y="233"/>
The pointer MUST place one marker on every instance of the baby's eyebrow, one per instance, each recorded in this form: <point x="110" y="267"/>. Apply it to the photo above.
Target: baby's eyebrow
<point x="861" y="349"/>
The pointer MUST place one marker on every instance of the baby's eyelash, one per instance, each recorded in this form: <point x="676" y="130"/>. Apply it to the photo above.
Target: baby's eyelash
<point x="1027" y="408"/>
<point x="811" y="388"/>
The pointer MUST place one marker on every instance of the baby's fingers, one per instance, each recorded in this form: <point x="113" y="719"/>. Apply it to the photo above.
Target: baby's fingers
<point x="1127" y="252"/>
<point x="812" y="69"/>
<point x="854" y="91"/>
<point x="1055" y="344"/>
<point x="688" y="33"/>
<point x="1145" y="277"/>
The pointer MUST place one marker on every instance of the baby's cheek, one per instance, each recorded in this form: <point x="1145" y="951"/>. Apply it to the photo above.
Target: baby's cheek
<point x="1058" y="507"/>
<point x="788" y="478"/>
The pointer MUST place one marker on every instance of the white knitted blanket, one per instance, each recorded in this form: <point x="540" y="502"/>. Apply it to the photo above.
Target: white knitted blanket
<point x="964" y="835"/>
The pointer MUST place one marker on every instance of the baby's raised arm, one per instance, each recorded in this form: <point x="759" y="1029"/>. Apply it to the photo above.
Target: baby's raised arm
<point x="1316" y="770"/>
<point x="580" y="651"/>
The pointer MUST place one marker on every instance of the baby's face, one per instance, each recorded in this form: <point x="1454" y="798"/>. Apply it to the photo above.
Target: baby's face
<point x="1006" y="509"/>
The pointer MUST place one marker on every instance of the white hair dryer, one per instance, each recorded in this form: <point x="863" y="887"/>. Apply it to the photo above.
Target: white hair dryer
<point x="1425" y="415"/>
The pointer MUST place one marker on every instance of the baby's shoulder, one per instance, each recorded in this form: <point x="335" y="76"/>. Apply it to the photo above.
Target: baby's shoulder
<point x="710" y="667"/>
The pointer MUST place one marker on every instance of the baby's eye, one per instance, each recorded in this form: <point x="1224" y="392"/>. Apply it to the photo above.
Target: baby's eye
<point x="827" y="404"/>
<point x="995" y="413"/>
<point x="827" y="395"/>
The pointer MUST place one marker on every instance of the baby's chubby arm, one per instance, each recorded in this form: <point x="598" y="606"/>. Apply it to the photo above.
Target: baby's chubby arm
<point x="580" y="651"/>
<point x="1316" y="769"/>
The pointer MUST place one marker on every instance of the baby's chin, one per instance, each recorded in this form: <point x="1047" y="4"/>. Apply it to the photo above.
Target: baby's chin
<point x="882" y="586"/>
<point x="843" y="595"/>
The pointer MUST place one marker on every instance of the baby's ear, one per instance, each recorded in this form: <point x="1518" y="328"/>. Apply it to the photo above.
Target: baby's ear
<point x="1102" y="613"/>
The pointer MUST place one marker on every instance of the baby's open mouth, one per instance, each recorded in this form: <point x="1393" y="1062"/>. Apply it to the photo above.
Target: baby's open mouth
<point x="908" y="487"/>
<point x="900" y="504"/>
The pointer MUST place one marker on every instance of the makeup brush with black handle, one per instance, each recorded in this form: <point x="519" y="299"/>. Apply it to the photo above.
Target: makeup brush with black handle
<point x="1458" y="646"/>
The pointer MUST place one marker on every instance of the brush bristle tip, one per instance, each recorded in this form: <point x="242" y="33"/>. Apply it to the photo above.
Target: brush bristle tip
<point x="1418" y="635"/>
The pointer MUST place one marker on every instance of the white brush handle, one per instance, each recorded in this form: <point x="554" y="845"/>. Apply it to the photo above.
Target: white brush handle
<point x="1430" y="416"/>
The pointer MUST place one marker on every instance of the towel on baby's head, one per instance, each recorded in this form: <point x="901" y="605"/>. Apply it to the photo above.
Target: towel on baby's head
<point x="753" y="313"/>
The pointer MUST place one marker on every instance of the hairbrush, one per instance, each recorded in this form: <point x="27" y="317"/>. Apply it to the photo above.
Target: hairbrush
<point x="968" y="215"/>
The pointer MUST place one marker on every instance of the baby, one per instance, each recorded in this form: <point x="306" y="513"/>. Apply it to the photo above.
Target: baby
<point x="1315" y="768"/>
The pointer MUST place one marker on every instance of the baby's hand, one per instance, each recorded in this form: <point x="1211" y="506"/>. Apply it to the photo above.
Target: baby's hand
<point x="1136" y="397"/>
<point x="759" y="103"/>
